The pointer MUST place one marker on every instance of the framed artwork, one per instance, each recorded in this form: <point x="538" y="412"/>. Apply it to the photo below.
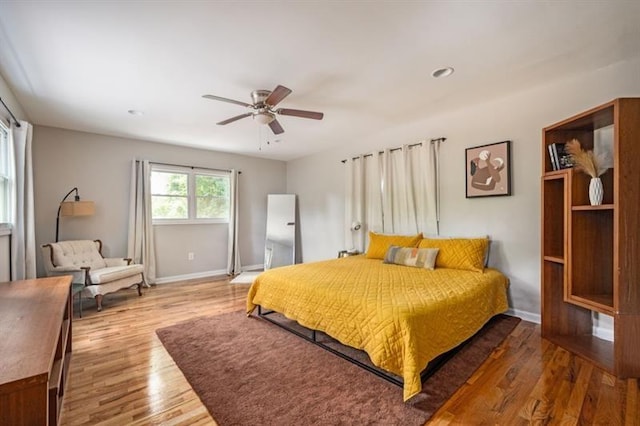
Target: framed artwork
<point x="488" y="170"/>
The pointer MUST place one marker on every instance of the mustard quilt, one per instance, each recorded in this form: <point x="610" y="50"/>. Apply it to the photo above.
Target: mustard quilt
<point x="403" y="317"/>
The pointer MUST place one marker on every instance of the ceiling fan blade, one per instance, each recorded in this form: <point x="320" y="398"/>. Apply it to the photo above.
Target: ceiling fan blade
<point x="231" y="101"/>
<point x="232" y="119"/>
<point x="276" y="128"/>
<point x="300" y="113"/>
<point x="278" y="94"/>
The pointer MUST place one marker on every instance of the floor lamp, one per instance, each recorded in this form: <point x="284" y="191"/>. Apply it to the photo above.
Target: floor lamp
<point x="73" y="208"/>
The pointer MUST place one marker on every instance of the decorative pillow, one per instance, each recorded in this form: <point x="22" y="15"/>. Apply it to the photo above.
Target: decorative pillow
<point x="470" y="237"/>
<point x="412" y="256"/>
<point x="459" y="253"/>
<point x="380" y="243"/>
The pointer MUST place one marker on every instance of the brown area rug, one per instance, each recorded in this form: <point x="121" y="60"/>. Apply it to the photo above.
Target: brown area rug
<point x="248" y="371"/>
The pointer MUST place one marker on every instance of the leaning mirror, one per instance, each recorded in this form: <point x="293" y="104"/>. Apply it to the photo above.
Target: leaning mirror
<point x="281" y="231"/>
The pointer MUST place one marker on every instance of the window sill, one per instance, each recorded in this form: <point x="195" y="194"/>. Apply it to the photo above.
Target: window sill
<point x="190" y="222"/>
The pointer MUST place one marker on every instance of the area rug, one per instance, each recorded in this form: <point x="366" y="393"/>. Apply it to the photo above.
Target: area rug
<point x="248" y="371"/>
<point x="246" y="277"/>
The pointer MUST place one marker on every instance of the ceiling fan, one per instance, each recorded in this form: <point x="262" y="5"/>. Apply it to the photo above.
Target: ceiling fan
<point x="263" y="108"/>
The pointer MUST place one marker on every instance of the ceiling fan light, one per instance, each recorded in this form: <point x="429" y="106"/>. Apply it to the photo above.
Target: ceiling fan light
<point x="263" y="117"/>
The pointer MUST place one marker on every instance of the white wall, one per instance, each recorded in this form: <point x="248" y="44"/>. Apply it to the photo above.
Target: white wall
<point x="512" y="222"/>
<point x="100" y="166"/>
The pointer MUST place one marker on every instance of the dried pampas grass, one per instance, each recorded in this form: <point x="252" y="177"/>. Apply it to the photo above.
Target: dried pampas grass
<point x="585" y="161"/>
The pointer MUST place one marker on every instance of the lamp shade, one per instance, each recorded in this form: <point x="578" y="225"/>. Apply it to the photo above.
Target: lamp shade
<point x="77" y="208"/>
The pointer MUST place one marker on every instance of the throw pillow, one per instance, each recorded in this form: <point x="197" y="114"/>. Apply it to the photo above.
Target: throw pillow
<point x="380" y="243"/>
<point x="459" y="253"/>
<point x="412" y="256"/>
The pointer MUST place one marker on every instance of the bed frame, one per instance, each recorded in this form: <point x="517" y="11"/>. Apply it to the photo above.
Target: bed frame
<point x="312" y="336"/>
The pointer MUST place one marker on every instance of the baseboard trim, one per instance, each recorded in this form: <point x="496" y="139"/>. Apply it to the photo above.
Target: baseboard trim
<point x="205" y="274"/>
<point x="604" y="333"/>
<point x="527" y="316"/>
<point x="256" y="267"/>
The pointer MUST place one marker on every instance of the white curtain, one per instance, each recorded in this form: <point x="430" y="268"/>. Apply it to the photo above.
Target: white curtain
<point x="23" y="241"/>
<point x="141" y="246"/>
<point x="363" y="199"/>
<point x="395" y="191"/>
<point x="373" y="194"/>
<point x="233" y="252"/>
<point x="410" y="195"/>
<point x="354" y="202"/>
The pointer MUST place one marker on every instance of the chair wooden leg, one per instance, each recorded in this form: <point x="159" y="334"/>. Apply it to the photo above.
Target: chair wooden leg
<point x="99" y="302"/>
<point x="139" y="289"/>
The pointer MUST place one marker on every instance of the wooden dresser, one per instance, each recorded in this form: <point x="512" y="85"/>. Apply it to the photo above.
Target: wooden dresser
<point x="35" y="349"/>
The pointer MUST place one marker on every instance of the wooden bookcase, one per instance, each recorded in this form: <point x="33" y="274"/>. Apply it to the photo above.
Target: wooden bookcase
<point x="591" y="254"/>
<point x="35" y="325"/>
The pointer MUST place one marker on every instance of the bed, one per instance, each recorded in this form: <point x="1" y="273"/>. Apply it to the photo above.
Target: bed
<point x="402" y="317"/>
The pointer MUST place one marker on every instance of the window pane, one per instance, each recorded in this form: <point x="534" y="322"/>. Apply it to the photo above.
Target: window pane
<point x="212" y="197"/>
<point x="212" y="186"/>
<point x="169" y="183"/>
<point x="212" y="208"/>
<point x="167" y="207"/>
<point x="4" y="175"/>
<point x="4" y="152"/>
<point x="174" y="193"/>
<point x="4" y="200"/>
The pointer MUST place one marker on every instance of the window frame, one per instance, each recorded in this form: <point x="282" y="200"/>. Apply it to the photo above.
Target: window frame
<point x="191" y="173"/>
<point x="5" y="176"/>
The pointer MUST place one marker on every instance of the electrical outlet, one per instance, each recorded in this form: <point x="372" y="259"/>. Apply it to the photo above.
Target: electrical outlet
<point x="190" y="256"/>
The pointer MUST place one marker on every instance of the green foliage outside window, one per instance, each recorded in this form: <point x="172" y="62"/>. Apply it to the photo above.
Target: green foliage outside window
<point x="212" y="197"/>
<point x="170" y="196"/>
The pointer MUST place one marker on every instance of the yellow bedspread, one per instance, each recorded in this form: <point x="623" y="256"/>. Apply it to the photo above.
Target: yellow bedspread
<point x="402" y="317"/>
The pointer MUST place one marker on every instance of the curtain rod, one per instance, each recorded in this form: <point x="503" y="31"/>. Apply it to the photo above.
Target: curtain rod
<point x="191" y="167"/>
<point x="10" y="113"/>
<point x="397" y="149"/>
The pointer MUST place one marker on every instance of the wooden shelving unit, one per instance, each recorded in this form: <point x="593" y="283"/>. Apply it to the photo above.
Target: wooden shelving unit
<point x="35" y="325"/>
<point x="591" y="254"/>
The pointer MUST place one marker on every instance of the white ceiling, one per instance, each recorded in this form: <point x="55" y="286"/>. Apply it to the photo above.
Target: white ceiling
<point x="365" y="64"/>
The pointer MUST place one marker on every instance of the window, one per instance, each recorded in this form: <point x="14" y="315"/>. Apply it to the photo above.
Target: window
<point x="5" y="179"/>
<point x="181" y="195"/>
<point x="169" y="195"/>
<point x="212" y="196"/>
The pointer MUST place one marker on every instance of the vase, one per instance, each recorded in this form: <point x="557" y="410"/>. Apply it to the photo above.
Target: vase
<point x="595" y="191"/>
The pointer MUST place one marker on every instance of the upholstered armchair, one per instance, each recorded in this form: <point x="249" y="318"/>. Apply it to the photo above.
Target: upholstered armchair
<point x="84" y="261"/>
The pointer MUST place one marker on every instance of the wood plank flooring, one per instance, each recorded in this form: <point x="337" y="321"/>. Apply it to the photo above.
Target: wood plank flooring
<point x="121" y="374"/>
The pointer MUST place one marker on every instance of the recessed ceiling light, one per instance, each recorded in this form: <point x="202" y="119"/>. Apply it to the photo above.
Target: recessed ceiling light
<point x="442" y="72"/>
<point x="135" y="112"/>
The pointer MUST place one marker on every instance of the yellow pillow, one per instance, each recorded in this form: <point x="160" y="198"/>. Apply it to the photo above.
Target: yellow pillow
<point x="458" y="253"/>
<point x="380" y="243"/>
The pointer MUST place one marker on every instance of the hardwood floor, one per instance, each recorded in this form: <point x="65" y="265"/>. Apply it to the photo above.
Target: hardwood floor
<point x="121" y="374"/>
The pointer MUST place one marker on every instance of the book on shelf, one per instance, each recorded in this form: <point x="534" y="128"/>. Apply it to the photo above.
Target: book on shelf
<point x="564" y="159"/>
<point x="554" y="164"/>
<point x="560" y="159"/>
